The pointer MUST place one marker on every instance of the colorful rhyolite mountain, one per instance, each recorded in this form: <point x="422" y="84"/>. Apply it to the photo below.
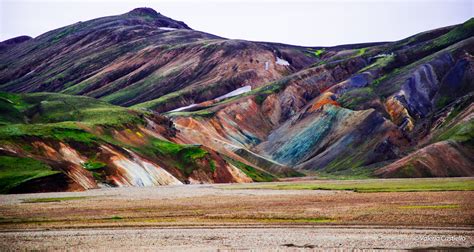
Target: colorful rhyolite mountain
<point x="140" y="99"/>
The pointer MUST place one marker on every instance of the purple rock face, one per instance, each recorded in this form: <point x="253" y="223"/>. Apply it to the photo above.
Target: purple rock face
<point x="419" y="90"/>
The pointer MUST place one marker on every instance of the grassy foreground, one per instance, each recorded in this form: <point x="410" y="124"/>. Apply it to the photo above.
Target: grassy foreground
<point x="371" y="185"/>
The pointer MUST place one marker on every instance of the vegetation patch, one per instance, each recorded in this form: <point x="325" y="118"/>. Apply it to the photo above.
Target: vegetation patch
<point x="377" y="185"/>
<point x="458" y="108"/>
<point x="8" y="111"/>
<point x="115" y="217"/>
<point x="63" y="33"/>
<point x="166" y="147"/>
<point x="318" y="53"/>
<point x="45" y="108"/>
<point x="430" y="206"/>
<point x="93" y="165"/>
<point x="457" y="34"/>
<point x="463" y="133"/>
<point x="46" y="200"/>
<point x="383" y="78"/>
<point x="183" y="157"/>
<point x="380" y="62"/>
<point x="192" y="153"/>
<point x="200" y="113"/>
<point x="212" y="164"/>
<point x="356" y="97"/>
<point x="361" y="51"/>
<point x="15" y="171"/>
<point x="58" y="131"/>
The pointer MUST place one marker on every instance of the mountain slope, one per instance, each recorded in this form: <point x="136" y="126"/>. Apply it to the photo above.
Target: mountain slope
<point x="61" y="142"/>
<point x="140" y="56"/>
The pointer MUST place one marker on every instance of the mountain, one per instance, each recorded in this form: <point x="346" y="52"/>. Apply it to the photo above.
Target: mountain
<point x="141" y="99"/>
<point x="143" y="56"/>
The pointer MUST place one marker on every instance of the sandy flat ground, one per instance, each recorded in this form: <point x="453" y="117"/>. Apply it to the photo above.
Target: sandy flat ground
<point x="211" y="217"/>
<point x="268" y="238"/>
<point x="162" y="192"/>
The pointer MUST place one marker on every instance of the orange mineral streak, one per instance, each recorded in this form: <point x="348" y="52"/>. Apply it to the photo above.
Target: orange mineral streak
<point x="398" y="113"/>
<point x="207" y="103"/>
<point x="271" y="108"/>
<point x="325" y="98"/>
<point x="209" y="133"/>
<point x="129" y="169"/>
<point x="238" y="175"/>
<point x="71" y="161"/>
<point x="130" y="136"/>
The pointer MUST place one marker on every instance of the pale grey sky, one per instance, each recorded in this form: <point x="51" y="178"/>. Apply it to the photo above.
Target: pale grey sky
<point x="300" y="22"/>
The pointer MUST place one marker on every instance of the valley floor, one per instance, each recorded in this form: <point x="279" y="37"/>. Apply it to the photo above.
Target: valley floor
<point x="238" y="238"/>
<point x="397" y="213"/>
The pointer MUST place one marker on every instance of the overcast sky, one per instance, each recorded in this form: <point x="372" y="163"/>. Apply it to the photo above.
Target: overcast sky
<point x="303" y="22"/>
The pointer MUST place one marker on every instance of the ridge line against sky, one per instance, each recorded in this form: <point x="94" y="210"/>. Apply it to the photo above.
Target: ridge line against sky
<point x="302" y="22"/>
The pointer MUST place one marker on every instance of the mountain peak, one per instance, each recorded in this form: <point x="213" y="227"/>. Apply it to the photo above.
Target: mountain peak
<point x="157" y="18"/>
<point x="144" y="11"/>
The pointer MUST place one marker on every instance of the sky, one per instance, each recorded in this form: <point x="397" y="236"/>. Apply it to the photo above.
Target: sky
<point x="298" y="22"/>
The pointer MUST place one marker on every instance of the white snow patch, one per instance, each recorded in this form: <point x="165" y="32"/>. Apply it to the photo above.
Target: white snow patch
<point x="183" y="108"/>
<point x="236" y="92"/>
<point x="267" y="65"/>
<point x="167" y="28"/>
<point x="383" y="55"/>
<point x="282" y="62"/>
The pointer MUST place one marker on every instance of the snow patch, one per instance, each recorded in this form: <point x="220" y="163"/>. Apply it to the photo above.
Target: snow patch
<point x="167" y="28"/>
<point x="183" y="108"/>
<point x="383" y="55"/>
<point x="236" y="92"/>
<point x="282" y="62"/>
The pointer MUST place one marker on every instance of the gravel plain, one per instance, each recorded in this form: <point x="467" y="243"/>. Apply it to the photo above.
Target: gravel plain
<point x="213" y="239"/>
<point x="214" y="217"/>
